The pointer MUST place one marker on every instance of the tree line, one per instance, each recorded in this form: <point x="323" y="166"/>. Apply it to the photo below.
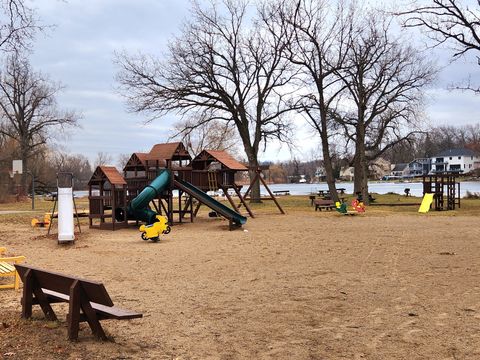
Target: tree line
<point x="422" y="145"/>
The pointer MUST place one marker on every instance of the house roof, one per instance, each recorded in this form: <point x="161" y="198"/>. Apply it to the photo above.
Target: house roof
<point x="226" y="160"/>
<point x="456" y="152"/>
<point x="110" y="173"/>
<point x="400" y="167"/>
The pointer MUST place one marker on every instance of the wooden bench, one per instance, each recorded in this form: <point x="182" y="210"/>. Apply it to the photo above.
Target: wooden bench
<point x="323" y="204"/>
<point x="7" y="269"/>
<point x="88" y="300"/>
<point x="281" y="192"/>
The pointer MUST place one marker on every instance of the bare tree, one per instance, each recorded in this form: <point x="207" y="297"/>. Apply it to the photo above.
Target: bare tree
<point x="385" y="79"/>
<point x="315" y="37"/>
<point x="102" y="158"/>
<point x="212" y="135"/>
<point x="221" y="68"/>
<point x="122" y="160"/>
<point x="17" y="25"/>
<point x="28" y="108"/>
<point x="449" y="22"/>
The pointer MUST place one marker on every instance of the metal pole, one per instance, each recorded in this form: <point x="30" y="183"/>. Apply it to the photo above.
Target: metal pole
<point x="33" y="189"/>
<point x="33" y="192"/>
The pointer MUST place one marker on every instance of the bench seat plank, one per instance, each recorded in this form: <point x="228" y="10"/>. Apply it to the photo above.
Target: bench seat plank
<point x="107" y="312"/>
<point x="6" y="268"/>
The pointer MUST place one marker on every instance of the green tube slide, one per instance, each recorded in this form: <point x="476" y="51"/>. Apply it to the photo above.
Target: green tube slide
<point x="138" y="209"/>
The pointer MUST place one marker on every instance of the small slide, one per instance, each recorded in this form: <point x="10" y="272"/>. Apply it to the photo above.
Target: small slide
<point x="213" y="204"/>
<point x="138" y="208"/>
<point x="426" y="202"/>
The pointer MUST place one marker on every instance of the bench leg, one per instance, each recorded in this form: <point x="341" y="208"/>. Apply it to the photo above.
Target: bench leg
<point x="79" y="300"/>
<point x="44" y="304"/>
<point x="73" y="319"/>
<point x="92" y="319"/>
<point x="27" y="297"/>
<point x="29" y="288"/>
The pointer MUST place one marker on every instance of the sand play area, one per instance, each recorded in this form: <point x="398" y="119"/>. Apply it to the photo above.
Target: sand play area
<point x="304" y="285"/>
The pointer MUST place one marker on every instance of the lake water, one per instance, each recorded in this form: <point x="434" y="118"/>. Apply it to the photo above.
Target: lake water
<point x="416" y="188"/>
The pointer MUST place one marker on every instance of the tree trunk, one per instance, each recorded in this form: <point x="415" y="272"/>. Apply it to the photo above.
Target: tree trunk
<point x="252" y="172"/>
<point x="361" y="165"/>
<point x="357" y="172"/>
<point x="24" y="177"/>
<point x="327" y="164"/>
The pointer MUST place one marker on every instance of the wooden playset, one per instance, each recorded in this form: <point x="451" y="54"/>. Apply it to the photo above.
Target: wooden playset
<point x="166" y="181"/>
<point x="445" y="190"/>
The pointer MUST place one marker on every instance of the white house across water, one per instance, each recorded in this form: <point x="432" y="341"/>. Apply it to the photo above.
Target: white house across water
<point x="458" y="160"/>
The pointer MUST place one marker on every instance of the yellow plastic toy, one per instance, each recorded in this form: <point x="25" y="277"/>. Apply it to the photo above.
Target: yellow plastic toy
<point x="46" y="221"/>
<point x="7" y="269"/>
<point x="153" y="231"/>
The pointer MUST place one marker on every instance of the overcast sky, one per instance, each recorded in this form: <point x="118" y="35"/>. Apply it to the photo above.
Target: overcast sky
<point x="79" y="53"/>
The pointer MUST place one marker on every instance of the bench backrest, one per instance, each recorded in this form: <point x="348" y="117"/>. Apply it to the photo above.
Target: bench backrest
<point x="95" y="291"/>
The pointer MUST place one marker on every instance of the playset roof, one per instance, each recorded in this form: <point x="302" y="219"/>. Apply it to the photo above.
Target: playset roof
<point x="222" y="157"/>
<point x="107" y="172"/>
<point x="142" y="157"/>
<point x="168" y="151"/>
<point x="136" y="160"/>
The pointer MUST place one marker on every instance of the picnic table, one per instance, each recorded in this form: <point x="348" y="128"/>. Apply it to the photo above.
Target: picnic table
<point x="281" y="192"/>
<point x="324" y="204"/>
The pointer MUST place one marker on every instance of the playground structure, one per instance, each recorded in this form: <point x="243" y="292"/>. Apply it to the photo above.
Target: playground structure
<point x="166" y="181"/>
<point x="66" y="207"/>
<point x="445" y="190"/>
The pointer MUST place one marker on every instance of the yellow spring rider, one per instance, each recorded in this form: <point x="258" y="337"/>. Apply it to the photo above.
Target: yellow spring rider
<point x="46" y="221"/>
<point x="153" y="231"/>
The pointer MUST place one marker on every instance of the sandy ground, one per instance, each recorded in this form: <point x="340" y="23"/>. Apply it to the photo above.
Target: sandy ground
<point x="298" y="286"/>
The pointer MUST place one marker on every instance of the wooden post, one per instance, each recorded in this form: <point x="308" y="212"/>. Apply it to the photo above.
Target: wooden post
<point x="242" y="200"/>
<point x="73" y="320"/>
<point x="271" y="195"/>
<point x="230" y="200"/>
<point x="27" y="298"/>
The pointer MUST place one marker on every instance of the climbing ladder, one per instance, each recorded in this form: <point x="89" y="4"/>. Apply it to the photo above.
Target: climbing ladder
<point x="212" y="181"/>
